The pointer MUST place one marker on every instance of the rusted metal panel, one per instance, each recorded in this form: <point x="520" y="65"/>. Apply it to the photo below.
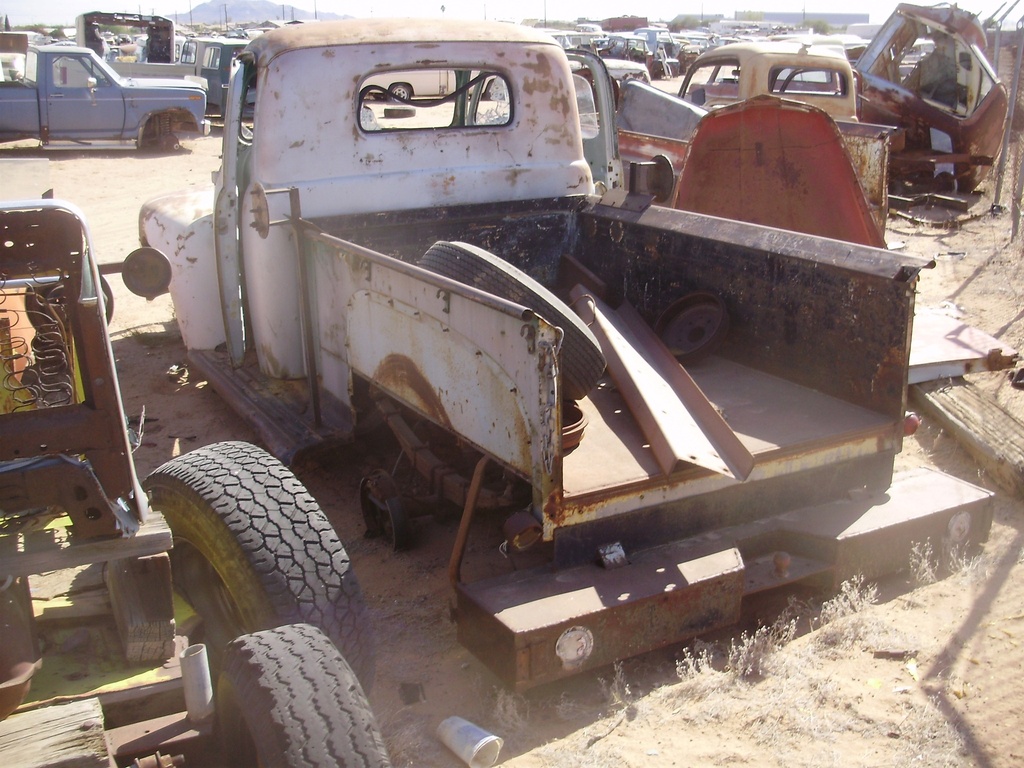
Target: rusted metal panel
<point x="780" y="164"/>
<point x="520" y="626"/>
<point x="869" y="148"/>
<point x="781" y="145"/>
<point x="675" y="416"/>
<point x="467" y="360"/>
<point x="774" y="285"/>
<point x="950" y="103"/>
<point x="523" y="629"/>
<point x="943" y="346"/>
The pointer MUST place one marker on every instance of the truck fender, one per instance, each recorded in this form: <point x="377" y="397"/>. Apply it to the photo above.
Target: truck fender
<point x="157" y="125"/>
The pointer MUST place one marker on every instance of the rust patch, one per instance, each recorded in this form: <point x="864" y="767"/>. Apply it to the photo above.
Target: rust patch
<point x="399" y="375"/>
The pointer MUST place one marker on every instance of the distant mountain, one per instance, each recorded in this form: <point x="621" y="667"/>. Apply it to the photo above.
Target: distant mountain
<point x="249" y="11"/>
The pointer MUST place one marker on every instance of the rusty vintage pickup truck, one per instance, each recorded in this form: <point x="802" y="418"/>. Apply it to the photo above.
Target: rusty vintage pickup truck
<point x="469" y="271"/>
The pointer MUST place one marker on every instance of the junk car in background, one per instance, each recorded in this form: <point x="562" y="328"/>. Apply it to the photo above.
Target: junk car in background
<point x="925" y="72"/>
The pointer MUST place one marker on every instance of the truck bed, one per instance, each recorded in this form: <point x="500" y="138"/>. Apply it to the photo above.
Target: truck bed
<point x="775" y="419"/>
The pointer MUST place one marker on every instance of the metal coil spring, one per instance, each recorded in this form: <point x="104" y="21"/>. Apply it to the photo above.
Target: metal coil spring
<point x="36" y="373"/>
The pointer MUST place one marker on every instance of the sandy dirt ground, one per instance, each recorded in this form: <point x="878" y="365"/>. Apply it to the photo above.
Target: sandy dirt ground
<point x="918" y="673"/>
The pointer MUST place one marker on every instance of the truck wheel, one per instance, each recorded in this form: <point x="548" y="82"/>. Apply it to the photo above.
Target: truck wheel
<point x="582" y="362"/>
<point x="400" y="91"/>
<point x="253" y="550"/>
<point x="288" y="698"/>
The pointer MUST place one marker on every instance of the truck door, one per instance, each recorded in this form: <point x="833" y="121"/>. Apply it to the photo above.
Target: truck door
<point x="229" y="184"/>
<point x="215" y="68"/>
<point x="595" y="98"/>
<point x="82" y="101"/>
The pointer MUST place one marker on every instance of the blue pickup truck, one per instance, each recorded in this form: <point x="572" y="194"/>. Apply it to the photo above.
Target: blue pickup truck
<point x="58" y="93"/>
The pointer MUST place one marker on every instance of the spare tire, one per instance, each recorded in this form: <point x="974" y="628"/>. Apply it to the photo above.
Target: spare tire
<point x="581" y="360"/>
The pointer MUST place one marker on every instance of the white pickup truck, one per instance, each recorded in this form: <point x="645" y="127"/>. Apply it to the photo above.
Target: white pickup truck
<point x="465" y="273"/>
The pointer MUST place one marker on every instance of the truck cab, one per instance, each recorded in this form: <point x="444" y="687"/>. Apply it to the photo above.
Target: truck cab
<point x="817" y="75"/>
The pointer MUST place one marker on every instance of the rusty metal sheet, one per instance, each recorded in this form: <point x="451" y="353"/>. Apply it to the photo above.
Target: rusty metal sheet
<point x="869" y="147"/>
<point x="780" y="164"/>
<point x="519" y="628"/>
<point x="943" y="346"/>
<point x="674" y="591"/>
<point x="675" y="416"/>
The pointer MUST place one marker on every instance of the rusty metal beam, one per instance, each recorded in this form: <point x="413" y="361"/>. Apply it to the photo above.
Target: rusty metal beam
<point x="675" y="416"/>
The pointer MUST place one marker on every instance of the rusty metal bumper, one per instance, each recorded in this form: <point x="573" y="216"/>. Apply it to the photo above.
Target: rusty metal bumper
<point x="537" y="626"/>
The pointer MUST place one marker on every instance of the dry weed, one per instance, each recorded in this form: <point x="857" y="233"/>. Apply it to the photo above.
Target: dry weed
<point x="616" y="691"/>
<point x="405" y="737"/>
<point x="568" y="709"/>
<point x="511" y="713"/>
<point x="842" y="624"/>
<point x="750" y="654"/>
<point x="925" y="737"/>
<point x="923" y="564"/>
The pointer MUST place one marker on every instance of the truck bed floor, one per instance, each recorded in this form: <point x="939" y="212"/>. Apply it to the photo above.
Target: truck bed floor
<point x="772" y="417"/>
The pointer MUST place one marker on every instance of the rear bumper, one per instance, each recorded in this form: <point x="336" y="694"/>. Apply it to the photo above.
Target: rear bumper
<point x="537" y="626"/>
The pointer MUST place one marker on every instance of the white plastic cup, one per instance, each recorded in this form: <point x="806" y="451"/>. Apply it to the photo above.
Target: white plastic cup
<point x="475" y="747"/>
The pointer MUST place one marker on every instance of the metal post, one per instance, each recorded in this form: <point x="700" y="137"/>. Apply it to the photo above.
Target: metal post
<point x="1006" y="131"/>
<point x="1014" y="90"/>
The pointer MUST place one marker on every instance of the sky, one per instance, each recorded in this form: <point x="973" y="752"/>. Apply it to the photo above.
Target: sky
<point x="63" y="12"/>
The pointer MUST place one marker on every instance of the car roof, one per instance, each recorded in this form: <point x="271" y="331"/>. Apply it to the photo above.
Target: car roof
<point x="747" y="50"/>
<point x="390" y="30"/>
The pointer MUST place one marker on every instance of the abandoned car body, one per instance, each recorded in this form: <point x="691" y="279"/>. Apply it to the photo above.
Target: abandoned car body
<point x="819" y="75"/>
<point x="421" y="269"/>
<point x="950" y="104"/>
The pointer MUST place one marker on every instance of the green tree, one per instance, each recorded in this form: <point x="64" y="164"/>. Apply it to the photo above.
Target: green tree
<point x="820" y="27"/>
<point x="684" y="22"/>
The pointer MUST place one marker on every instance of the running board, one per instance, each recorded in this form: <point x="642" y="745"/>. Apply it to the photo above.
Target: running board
<point x="278" y="410"/>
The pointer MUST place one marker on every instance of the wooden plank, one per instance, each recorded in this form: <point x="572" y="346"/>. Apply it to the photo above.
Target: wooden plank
<point x="70" y="593"/>
<point x="66" y="736"/>
<point x="53" y="548"/>
<point x="81" y="605"/>
<point x="991" y="435"/>
<point x="143" y="603"/>
<point x="85" y="660"/>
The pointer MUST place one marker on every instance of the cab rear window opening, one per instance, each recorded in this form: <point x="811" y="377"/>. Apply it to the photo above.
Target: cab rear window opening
<point x="428" y="98"/>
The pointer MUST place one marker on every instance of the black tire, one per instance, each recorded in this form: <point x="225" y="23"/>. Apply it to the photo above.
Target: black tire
<point x="401" y="92"/>
<point x="253" y="550"/>
<point x="581" y="359"/>
<point x="287" y="698"/>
